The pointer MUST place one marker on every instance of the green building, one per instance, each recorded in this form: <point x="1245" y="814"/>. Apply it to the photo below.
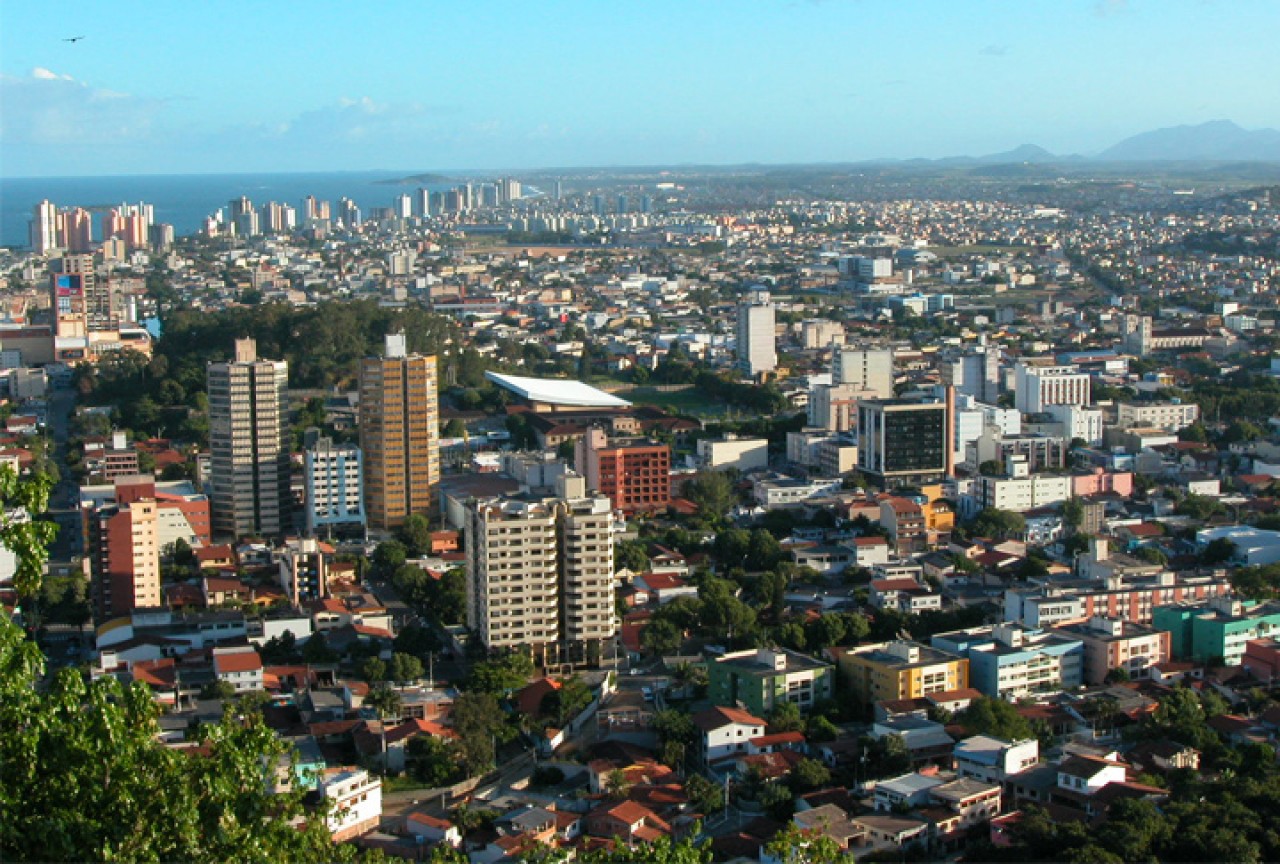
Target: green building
<point x="761" y="678"/>
<point x="1217" y="628"/>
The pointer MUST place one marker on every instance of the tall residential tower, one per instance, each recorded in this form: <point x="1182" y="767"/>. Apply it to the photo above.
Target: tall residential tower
<point x="399" y="434"/>
<point x="248" y="422"/>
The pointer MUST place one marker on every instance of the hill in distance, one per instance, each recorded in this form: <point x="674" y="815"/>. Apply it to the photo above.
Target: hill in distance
<point x="1215" y="141"/>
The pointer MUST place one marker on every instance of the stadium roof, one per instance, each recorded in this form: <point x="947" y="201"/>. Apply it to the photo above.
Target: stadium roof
<point x="557" y="391"/>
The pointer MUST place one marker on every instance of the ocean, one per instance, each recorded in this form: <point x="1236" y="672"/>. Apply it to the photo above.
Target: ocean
<point x="184" y="200"/>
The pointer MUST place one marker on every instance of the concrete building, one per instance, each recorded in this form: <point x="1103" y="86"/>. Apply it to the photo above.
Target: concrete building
<point x="869" y="371"/>
<point x="399" y="434"/>
<point x="757" y="336"/>
<point x="540" y="575"/>
<point x="1018" y="490"/>
<point x="1217" y="630"/>
<point x="900" y="670"/>
<point x="633" y="473"/>
<point x="304" y="570"/>
<point x="1168" y="416"/>
<point x="355" y="802"/>
<point x="249" y="460"/>
<point x="1038" y="387"/>
<point x="333" y="482"/>
<point x="994" y="759"/>
<point x="745" y="454"/>
<point x="904" y="442"/>
<point x="124" y="551"/>
<point x="725" y="732"/>
<point x="761" y="678"/>
<point x="1009" y="661"/>
<point x="1112" y="643"/>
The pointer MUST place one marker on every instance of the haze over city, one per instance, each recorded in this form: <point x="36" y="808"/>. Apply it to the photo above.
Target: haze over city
<point x="196" y="88"/>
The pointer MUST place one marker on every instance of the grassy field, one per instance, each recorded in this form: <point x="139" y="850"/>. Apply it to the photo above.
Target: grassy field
<point x="691" y="401"/>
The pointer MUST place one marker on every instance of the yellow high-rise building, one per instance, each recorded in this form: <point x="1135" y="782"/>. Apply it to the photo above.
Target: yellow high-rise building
<point x="399" y="434"/>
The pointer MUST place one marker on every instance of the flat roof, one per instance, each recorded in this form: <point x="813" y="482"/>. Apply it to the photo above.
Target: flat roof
<point x="557" y="391"/>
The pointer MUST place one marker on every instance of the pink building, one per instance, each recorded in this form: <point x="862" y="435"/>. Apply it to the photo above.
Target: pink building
<point x="1100" y="481"/>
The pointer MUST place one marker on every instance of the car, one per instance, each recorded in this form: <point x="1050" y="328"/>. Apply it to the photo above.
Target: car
<point x="633" y="671"/>
<point x="647" y="692"/>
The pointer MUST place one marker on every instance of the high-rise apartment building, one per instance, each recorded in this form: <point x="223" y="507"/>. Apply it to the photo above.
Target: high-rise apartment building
<point x="124" y="548"/>
<point x="399" y="433"/>
<point x="77" y="230"/>
<point x="869" y="370"/>
<point x="44" y="228"/>
<point x="904" y="442"/>
<point x="333" y="479"/>
<point x="540" y="575"/>
<point x="249" y="462"/>
<point x="99" y="310"/>
<point x="757" y="337"/>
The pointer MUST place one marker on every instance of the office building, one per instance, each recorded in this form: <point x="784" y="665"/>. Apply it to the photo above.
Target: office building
<point x="399" y="434"/>
<point x="249" y="462"/>
<point x="757" y="336"/>
<point x="1009" y="661"/>
<point x="759" y="679"/>
<point x="333" y="480"/>
<point x="540" y="575"/>
<point x="868" y="371"/>
<point x="904" y="442"/>
<point x="633" y="473"/>
<point x="900" y="670"/>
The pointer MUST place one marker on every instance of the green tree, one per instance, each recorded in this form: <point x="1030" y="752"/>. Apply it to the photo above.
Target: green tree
<point x="706" y="797"/>
<point x="631" y="555"/>
<point x="84" y="776"/>
<point x="793" y="845"/>
<point x="713" y="493"/>
<point x="405" y="667"/>
<point x="810" y="774"/>
<point x="478" y="720"/>
<point x="415" y="534"/>
<point x="661" y="637"/>
<point x="999" y="524"/>
<point x="433" y="762"/>
<point x="388" y="557"/>
<point x="996" y="717"/>
<point x="785" y="717"/>
<point x="373" y="669"/>
<point x="501" y="674"/>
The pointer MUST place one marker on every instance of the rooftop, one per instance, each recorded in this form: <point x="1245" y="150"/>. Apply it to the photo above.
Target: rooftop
<point x="557" y="391"/>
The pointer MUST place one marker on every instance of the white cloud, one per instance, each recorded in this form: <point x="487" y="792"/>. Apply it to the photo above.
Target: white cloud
<point x="49" y="109"/>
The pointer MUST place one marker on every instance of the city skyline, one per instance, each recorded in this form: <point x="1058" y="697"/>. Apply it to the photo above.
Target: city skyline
<point x="408" y="86"/>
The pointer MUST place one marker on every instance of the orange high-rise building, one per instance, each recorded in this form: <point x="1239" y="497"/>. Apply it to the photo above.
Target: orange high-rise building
<point x="399" y="434"/>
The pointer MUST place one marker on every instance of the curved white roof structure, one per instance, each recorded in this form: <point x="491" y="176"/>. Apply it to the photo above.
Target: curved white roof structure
<point x="557" y="391"/>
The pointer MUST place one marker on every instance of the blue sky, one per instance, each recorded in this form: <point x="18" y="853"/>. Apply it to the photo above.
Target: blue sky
<point x="191" y="87"/>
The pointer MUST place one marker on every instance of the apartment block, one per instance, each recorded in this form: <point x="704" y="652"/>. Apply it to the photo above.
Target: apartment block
<point x="762" y="678"/>
<point x="333" y="481"/>
<point x="1009" y="661"/>
<point x="1112" y="643"/>
<point x="1038" y="387"/>
<point x="757" y="334"/>
<point x="900" y="670"/>
<point x="904" y="442"/>
<point x="540" y="575"/>
<point x="1217" y="629"/>
<point x="399" y="434"/>
<point x="249" y="459"/>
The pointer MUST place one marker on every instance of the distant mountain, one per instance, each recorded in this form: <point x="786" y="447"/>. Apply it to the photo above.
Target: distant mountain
<point x="1215" y="141"/>
<point x="1025" y="153"/>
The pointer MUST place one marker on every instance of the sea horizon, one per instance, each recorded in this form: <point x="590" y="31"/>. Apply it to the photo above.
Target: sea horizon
<point x="185" y="200"/>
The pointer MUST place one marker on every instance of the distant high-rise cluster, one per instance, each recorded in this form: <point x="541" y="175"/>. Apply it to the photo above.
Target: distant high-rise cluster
<point x="70" y="229"/>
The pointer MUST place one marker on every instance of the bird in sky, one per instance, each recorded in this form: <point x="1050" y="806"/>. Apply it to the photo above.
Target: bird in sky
<point x="73" y="39"/>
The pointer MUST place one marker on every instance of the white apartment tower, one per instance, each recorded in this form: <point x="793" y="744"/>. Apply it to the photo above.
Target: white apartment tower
<point x="333" y="477"/>
<point x="540" y="575"/>
<point x="757" y="336"/>
<point x="249" y="462"/>
<point x="44" y="228"/>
